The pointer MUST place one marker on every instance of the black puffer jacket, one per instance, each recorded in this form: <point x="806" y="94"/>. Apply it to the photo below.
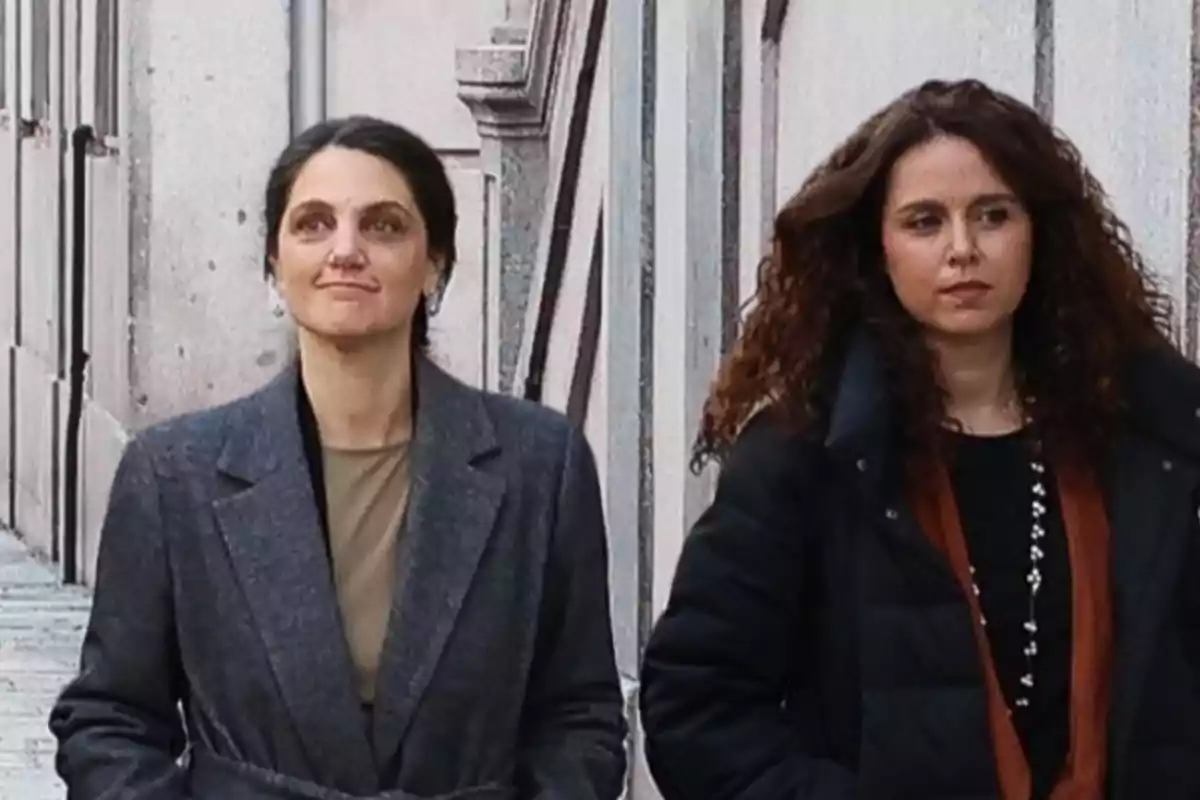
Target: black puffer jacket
<point x="816" y="647"/>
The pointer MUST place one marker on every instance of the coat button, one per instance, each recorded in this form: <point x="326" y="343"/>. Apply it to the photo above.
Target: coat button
<point x="861" y="464"/>
<point x="1167" y="465"/>
<point x="891" y="513"/>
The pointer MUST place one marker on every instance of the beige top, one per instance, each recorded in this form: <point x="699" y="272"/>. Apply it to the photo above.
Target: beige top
<point x="366" y="494"/>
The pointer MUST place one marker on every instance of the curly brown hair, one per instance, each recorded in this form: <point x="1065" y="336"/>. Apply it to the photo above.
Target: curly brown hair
<point x="1089" y="303"/>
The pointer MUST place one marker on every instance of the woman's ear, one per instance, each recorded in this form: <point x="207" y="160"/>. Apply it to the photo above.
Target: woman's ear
<point x="435" y="278"/>
<point x="435" y="286"/>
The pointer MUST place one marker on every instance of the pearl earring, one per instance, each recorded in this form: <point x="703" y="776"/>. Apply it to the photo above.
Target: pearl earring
<point x="433" y="302"/>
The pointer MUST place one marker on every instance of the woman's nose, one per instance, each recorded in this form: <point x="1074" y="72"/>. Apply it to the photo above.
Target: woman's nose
<point x="962" y="243"/>
<point x="346" y="248"/>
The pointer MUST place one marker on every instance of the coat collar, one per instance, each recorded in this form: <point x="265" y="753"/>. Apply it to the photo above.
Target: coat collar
<point x="272" y="530"/>
<point x="1162" y="389"/>
<point x="860" y="413"/>
<point x="264" y="435"/>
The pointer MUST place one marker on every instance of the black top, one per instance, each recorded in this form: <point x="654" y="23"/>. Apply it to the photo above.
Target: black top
<point x="993" y="484"/>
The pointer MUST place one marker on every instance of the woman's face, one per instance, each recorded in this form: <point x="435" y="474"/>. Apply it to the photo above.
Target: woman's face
<point x="956" y="240"/>
<point x="353" y="258"/>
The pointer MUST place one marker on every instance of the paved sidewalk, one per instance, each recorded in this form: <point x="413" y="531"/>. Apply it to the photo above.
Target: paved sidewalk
<point x="41" y="625"/>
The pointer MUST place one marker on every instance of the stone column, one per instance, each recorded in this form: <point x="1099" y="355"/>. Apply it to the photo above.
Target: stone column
<point x="696" y="273"/>
<point x="507" y="83"/>
<point x="632" y="305"/>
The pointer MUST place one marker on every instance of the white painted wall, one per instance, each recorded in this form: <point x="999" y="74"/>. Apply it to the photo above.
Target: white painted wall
<point x="754" y="208"/>
<point x="397" y="61"/>
<point x="1121" y="75"/>
<point x="838" y="65"/>
<point x="1122" y="72"/>
<point x="687" y="227"/>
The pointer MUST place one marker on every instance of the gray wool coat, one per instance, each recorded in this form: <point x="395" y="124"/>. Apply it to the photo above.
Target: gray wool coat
<point x="215" y="666"/>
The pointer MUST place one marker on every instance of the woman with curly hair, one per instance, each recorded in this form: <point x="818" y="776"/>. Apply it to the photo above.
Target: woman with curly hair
<point x="953" y="547"/>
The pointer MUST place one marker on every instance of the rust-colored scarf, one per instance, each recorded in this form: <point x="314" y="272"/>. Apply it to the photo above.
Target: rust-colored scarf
<point x="1086" y="525"/>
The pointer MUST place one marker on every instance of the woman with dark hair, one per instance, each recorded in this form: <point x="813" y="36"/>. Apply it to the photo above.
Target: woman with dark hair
<point x="365" y="579"/>
<point x="953" y="546"/>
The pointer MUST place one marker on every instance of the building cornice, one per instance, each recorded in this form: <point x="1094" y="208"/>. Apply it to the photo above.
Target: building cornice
<point x="508" y="82"/>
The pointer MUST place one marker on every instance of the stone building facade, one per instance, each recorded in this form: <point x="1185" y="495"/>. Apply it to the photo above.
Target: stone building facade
<point x="617" y="163"/>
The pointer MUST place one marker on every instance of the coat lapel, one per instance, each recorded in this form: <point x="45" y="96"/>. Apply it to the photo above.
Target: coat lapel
<point x="859" y="437"/>
<point x="272" y="531"/>
<point x="452" y="510"/>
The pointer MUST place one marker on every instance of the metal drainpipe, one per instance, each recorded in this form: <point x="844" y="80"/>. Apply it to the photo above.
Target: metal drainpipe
<point x="308" y="29"/>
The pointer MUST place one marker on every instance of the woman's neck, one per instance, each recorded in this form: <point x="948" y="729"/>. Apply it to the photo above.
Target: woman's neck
<point x="981" y="385"/>
<point x="361" y="398"/>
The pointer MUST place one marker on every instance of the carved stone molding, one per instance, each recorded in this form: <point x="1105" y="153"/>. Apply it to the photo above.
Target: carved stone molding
<point x="508" y="82"/>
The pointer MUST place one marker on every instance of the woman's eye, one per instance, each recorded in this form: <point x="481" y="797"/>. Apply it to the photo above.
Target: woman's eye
<point x="923" y="222"/>
<point x="312" y="223"/>
<point x="995" y="216"/>
<point x="384" y="226"/>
